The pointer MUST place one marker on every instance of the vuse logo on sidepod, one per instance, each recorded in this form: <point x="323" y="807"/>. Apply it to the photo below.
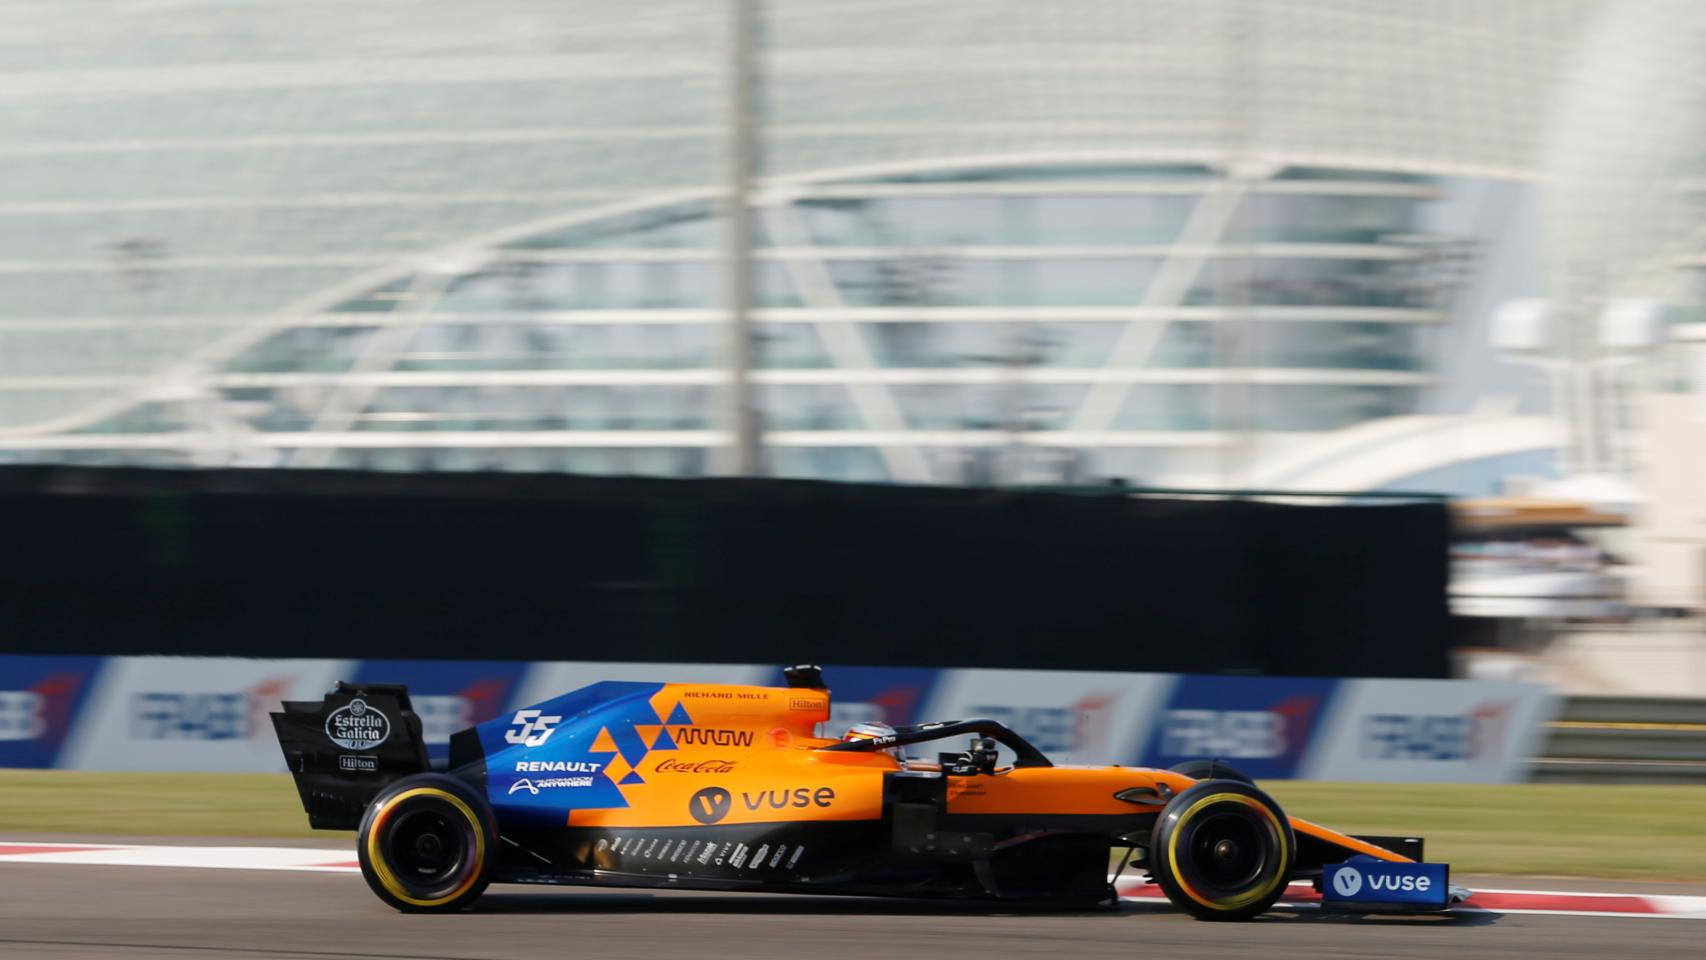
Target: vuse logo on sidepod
<point x="710" y="805"/>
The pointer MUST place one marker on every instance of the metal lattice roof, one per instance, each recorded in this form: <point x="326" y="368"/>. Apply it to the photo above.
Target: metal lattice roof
<point x="175" y="170"/>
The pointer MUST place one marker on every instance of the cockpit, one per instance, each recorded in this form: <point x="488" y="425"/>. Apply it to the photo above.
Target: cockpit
<point x="988" y="736"/>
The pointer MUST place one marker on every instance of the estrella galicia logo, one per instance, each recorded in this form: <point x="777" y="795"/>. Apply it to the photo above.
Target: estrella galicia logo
<point x="1347" y="883"/>
<point x="356" y="726"/>
<point x="710" y="805"/>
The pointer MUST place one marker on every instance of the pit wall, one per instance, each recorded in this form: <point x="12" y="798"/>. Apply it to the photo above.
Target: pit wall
<point x="210" y="714"/>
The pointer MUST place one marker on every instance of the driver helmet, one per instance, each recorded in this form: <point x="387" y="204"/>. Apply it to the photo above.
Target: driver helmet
<point x="872" y="730"/>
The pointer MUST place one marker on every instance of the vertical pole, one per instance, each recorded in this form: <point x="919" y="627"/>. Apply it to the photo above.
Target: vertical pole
<point x="1584" y="392"/>
<point x="1235" y="334"/>
<point x="739" y="421"/>
<point x="1562" y="407"/>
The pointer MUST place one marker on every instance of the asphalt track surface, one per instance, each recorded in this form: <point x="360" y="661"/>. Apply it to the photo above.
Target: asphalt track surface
<point x="63" y="912"/>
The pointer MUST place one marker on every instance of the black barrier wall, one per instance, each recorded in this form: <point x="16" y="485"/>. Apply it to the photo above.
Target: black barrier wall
<point x="500" y="566"/>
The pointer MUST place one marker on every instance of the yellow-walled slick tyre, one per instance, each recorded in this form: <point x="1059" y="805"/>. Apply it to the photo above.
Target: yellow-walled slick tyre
<point x="425" y="842"/>
<point x="1222" y="850"/>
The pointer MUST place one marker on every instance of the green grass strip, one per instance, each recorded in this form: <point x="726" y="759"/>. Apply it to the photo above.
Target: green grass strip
<point x="1546" y="829"/>
<point x="170" y="804"/>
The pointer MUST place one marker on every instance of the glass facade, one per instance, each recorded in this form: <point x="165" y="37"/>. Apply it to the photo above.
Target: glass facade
<point x="1040" y="323"/>
<point x="996" y="241"/>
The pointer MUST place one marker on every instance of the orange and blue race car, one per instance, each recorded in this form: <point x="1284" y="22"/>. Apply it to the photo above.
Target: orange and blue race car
<point x="717" y="787"/>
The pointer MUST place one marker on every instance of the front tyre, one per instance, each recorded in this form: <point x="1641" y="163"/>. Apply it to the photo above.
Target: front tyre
<point x="425" y="843"/>
<point x="1210" y="770"/>
<point x="1222" y="850"/>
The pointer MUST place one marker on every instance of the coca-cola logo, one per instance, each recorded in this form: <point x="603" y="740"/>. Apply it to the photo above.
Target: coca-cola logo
<point x="695" y="766"/>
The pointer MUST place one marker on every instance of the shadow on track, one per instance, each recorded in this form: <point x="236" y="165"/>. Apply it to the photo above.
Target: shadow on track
<point x="1433" y="921"/>
<point x="764" y="904"/>
<point x="827" y="906"/>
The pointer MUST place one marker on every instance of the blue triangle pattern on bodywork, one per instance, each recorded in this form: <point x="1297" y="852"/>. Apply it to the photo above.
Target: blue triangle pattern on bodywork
<point x="632" y="777"/>
<point x="679" y="716"/>
<point x="664" y="741"/>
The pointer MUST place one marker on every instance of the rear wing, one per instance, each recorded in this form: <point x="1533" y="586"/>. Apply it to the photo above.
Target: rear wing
<point x="347" y="747"/>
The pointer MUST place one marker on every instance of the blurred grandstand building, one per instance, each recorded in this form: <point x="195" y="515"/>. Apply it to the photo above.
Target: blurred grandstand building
<point x="1177" y="242"/>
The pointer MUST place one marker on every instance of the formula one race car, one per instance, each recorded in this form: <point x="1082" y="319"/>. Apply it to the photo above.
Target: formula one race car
<point x="729" y="788"/>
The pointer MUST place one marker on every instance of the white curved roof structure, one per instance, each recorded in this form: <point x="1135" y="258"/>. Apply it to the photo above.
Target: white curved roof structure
<point x="180" y="181"/>
<point x="1382" y="453"/>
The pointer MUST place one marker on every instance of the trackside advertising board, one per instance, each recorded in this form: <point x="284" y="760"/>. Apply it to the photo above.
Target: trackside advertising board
<point x="184" y="713"/>
<point x="39" y="699"/>
<point x="1261" y="725"/>
<point x="1428" y="730"/>
<point x="189" y="713"/>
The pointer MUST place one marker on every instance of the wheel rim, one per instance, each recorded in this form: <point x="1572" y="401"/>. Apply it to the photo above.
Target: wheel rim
<point x="1227" y="851"/>
<point x="426" y="848"/>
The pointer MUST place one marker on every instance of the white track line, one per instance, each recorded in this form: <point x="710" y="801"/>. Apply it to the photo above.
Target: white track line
<point x="324" y="860"/>
<point x="218" y="858"/>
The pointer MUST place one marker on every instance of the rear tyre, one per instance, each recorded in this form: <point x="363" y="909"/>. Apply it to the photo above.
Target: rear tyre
<point x="1211" y="770"/>
<point x="425" y="843"/>
<point x="1222" y="850"/>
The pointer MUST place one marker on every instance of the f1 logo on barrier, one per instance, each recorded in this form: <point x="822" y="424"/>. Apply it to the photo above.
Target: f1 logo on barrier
<point x="1474" y="735"/>
<point x="1263" y="724"/>
<point x="531" y="728"/>
<point x="21" y="715"/>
